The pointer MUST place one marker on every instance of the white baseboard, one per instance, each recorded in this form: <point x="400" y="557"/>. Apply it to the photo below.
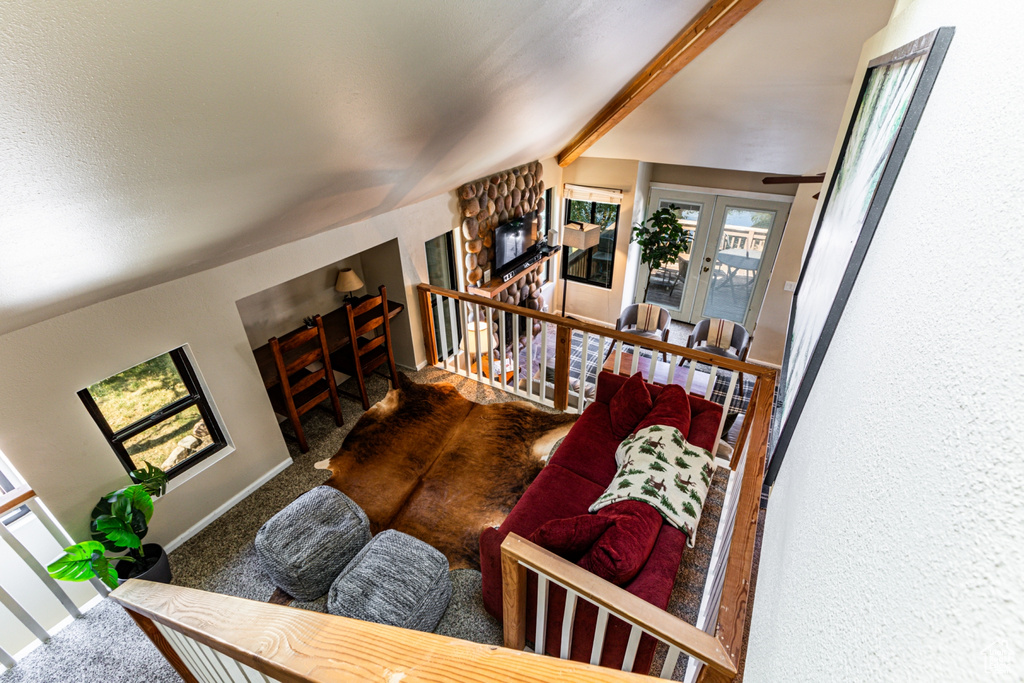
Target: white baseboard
<point x="213" y="516"/>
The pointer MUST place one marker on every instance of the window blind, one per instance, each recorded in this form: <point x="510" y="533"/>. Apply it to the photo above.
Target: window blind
<point x="602" y="195"/>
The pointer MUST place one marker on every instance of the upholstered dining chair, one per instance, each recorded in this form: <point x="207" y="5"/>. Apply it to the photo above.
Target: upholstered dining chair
<point x="628" y="322"/>
<point x="738" y="343"/>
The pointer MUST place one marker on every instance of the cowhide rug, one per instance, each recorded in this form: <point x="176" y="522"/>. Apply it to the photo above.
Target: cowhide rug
<point x="437" y="466"/>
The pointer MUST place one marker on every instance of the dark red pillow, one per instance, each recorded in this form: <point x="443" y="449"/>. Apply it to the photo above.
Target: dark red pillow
<point x="629" y="405"/>
<point x="622" y="551"/>
<point x="572" y="536"/>
<point x="671" y="408"/>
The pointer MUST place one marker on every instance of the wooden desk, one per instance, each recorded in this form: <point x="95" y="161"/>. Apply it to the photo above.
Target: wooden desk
<point x="336" y="329"/>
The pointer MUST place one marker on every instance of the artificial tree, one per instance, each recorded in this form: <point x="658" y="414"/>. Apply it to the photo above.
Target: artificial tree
<point x="663" y="240"/>
<point x="119" y="523"/>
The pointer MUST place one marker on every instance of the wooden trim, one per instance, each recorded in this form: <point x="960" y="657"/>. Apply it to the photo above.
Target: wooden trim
<point x="495" y="286"/>
<point x="513" y="602"/>
<point x="632" y="339"/>
<point x="563" y="347"/>
<point x="15" y="498"/>
<point x="792" y="179"/>
<point x="732" y="612"/>
<point x="684" y="48"/>
<point x="427" y="319"/>
<point x="619" y="602"/>
<point x="146" y="624"/>
<point x="299" y="646"/>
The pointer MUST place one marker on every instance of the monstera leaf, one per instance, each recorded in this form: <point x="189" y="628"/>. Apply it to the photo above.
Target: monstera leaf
<point x="82" y="562"/>
<point x="121" y="519"/>
<point x="152" y="478"/>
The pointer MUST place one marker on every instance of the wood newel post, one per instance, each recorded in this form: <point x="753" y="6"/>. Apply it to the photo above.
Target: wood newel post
<point x="427" y="318"/>
<point x="709" y="675"/>
<point x="513" y="599"/>
<point x="562" y="349"/>
<point x="146" y="624"/>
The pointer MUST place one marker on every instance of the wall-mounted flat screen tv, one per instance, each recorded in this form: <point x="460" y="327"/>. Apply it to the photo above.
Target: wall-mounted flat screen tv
<point x="514" y="240"/>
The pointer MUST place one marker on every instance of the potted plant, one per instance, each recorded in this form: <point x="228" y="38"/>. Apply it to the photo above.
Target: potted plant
<point x="120" y="521"/>
<point x="663" y="240"/>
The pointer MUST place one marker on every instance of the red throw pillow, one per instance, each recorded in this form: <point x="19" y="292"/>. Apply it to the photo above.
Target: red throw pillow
<point x="572" y="536"/>
<point x="629" y="405"/>
<point x="622" y="551"/>
<point x="672" y="409"/>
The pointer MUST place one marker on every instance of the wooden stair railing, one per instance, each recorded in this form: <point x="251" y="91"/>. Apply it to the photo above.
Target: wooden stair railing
<point x="213" y="638"/>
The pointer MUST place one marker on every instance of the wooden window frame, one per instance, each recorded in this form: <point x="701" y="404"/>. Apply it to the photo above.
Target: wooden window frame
<point x="195" y="397"/>
<point x="590" y="254"/>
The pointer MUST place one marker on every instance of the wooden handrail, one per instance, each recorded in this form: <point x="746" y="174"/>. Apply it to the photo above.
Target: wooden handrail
<point x="732" y="614"/>
<point x="619" y="602"/>
<point x="297" y="646"/>
<point x="15" y="498"/>
<point x="653" y="344"/>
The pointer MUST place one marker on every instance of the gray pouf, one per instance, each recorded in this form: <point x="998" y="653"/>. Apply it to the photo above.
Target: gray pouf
<point x="397" y="580"/>
<point x="304" y="546"/>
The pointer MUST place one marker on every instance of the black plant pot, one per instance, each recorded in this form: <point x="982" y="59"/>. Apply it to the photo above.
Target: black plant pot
<point x="159" y="571"/>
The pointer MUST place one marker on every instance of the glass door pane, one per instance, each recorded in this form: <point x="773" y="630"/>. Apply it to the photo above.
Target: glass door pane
<point x="666" y="285"/>
<point x="737" y="262"/>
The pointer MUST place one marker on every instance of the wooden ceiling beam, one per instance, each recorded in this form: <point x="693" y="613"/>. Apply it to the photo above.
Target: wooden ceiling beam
<point x="713" y="22"/>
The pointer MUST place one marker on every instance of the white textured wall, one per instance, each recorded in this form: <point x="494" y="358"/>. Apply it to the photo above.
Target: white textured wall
<point x="894" y="542"/>
<point x="54" y="444"/>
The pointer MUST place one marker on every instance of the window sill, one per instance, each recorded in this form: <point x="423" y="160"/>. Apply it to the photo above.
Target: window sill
<point x="199" y="467"/>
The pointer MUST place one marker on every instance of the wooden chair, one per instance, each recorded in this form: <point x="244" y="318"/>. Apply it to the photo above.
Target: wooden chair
<point x="301" y="390"/>
<point x="362" y="356"/>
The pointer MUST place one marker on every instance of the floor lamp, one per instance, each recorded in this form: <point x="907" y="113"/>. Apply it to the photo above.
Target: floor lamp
<point x="579" y="236"/>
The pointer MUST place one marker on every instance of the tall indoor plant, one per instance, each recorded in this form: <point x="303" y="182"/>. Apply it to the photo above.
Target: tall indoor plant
<point x="120" y="521"/>
<point x="662" y="240"/>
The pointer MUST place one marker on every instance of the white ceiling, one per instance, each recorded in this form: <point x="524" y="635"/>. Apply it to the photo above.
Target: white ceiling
<point x="767" y="96"/>
<point x="140" y="142"/>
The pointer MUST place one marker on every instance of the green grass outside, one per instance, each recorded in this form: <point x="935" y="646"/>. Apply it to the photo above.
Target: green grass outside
<point x="131" y="395"/>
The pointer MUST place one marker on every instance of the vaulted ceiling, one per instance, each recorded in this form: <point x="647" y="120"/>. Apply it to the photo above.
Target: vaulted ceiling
<point x="145" y="141"/>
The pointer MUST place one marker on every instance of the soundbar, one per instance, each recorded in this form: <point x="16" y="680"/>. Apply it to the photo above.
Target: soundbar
<point x="520" y="267"/>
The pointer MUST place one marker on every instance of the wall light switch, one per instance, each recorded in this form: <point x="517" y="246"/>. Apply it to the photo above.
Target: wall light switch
<point x="789" y="286"/>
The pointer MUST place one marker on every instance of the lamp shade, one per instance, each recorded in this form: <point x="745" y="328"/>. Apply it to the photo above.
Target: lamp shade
<point x="478" y="329"/>
<point x="581" y="235"/>
<point x="347" y="281"/>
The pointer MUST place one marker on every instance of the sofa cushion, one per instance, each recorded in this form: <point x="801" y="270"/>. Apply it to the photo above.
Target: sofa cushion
<point x="571" y="537"/>
<point x="704" y="419"/>
<point x="589" y="447"/>
<point x="671" y="409"/>
<point x="622" y="550"/>
<point x="629" y="406"/>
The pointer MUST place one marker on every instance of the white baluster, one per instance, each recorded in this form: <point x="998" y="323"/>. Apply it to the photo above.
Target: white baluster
<point x="671" y="659"/>
<point x="476" y="333"/>
<point x="6" y="659"/>
<point x="437" y="301"/>
<point x="529" y="356"/>
<point x="567" y="621"/>
<point x="618" y="356"/>
<point x="636" y="360"/>
<point x="23" y="616"/>
<point x="689" y="375"/>
<point x="631" y="646"/>
<point x="599" y="630"/>
<point x="515" y="353"/>
<point x="725" y="411"/>
<point x="543" y="360"/>
<point x="464" y="312"/>
<point x="40" y="571"/>
<point x="453" y="324"/>
<point x="671" y="368"/>
<point x="502" y="350"/>
<point x="541" y="633"/>
<point x="711" y="383"/>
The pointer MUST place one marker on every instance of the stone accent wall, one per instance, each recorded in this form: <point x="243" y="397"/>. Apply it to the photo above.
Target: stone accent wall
<point x="488" y="202"/>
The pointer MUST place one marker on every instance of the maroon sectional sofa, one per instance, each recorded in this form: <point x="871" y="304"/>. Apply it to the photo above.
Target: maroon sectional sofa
<point x="576" y="476"/>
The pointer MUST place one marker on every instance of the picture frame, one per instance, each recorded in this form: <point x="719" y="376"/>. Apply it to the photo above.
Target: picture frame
<point x="892" y="98"/>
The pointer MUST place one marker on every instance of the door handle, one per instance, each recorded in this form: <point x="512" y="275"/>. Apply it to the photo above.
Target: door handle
<point x="707" y="259"/>
<point x="706" y="269"/>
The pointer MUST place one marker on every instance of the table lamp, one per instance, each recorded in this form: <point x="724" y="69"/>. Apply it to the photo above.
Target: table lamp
<point x="578" y="236"/>
<point x="347" y="281"/>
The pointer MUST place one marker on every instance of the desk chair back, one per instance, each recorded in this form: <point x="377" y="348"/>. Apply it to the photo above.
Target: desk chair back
<point x="363" y="356"/>
<point x="302" y="389"/>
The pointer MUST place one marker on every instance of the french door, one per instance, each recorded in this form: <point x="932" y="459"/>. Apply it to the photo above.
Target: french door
<point x="734" y="241"/>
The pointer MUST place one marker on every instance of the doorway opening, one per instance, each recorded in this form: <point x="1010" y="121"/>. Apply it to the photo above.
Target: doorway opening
<point x="734" y="241"/>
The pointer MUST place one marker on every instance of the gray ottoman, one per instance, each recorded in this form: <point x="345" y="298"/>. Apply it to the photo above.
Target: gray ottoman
<point x="304" y="546"/>
<point x="397" y="580"/>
